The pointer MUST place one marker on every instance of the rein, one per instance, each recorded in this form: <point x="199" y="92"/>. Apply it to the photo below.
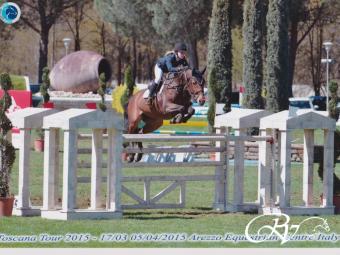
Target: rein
<point x="168" y="82"/>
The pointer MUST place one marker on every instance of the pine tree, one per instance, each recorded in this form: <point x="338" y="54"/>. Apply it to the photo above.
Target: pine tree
<point x="130" y="85"/>
<point x="252" y="53"/>
<point x="277" y="56"/>
<point x="220" y="54"/>
<point x="45" y="84"/>
<point x="333" y="112"/>
<point x="101" y="91"/>
<point x="7" y="151"/>
<point x="212" y="107"/>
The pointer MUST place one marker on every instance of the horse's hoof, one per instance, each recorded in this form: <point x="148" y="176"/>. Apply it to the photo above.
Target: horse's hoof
<point x="139" y="157"/>
<point x="130" y="158"/>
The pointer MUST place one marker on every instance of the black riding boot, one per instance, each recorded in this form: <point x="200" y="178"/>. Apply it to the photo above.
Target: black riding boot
<point x="152" y="90"/>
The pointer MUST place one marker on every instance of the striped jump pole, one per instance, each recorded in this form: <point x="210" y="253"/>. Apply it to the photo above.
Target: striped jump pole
<point x="188" y="124"/>
<point x="173" y="132"/>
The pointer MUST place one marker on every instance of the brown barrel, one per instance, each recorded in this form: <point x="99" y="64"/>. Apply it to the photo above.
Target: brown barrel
<point x="79" y="71"/>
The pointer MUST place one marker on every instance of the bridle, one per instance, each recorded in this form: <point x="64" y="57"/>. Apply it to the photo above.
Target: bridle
<point x="188" y="84"/>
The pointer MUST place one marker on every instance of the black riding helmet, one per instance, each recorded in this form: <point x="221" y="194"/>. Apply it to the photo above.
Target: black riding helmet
<point x="180" y="46"/>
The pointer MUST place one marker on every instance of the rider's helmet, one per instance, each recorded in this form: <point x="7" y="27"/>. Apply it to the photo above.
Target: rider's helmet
<point x="180" y="47"/>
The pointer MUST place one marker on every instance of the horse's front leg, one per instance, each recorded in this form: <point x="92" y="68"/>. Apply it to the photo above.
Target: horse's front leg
<point x="177" y="110"/>
<point x="188" y="115"/>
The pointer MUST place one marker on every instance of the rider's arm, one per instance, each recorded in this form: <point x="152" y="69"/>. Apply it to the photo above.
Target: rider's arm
<point x="185" y="63"/>
<point x="169" y="60"/>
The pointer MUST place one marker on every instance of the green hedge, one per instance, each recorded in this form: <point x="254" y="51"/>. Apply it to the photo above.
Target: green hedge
<point x="18" y="82"/>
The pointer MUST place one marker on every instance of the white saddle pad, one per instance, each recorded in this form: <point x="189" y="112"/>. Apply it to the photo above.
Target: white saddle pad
<point x="147" y="92"/>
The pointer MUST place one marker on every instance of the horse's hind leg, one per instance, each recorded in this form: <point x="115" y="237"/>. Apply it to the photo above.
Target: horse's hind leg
<point x="133" y="129"/>
<point x="150" y="125"/>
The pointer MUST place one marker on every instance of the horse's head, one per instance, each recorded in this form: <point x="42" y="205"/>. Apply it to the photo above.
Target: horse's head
<point x="195" y="85"/>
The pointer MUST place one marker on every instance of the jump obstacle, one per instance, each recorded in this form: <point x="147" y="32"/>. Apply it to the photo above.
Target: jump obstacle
<point x="273" y="179"/>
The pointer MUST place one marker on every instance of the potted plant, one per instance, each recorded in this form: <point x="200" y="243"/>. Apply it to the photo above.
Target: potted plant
<point x="333" y="113"/>
<point x="39" y="142"/>
<point x="7" y="151"/>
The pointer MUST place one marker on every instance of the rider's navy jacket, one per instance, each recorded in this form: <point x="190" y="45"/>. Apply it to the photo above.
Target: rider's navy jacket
<point x="169" y="63"/>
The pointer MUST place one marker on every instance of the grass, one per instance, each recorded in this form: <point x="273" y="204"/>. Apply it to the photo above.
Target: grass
<point x="197" y="217"/>
<point x="18" y="82"/>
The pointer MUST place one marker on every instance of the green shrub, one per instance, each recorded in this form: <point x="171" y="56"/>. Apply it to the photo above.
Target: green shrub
<point x="18" y="82"/>
<point x="7" y="151"/>
<point x="130" y="84"/>
<point x="101" y="91"/>
<point x="332" y="109"/>
<point x="45" y="85"/>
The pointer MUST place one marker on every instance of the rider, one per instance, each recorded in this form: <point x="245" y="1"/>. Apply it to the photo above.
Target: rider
<point x="171" y="62"/>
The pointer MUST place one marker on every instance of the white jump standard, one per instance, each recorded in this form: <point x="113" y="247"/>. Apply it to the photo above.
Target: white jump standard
<point x="240" y="120"/>
<point x="275" y="189"/>
<point x="26" y="120"/>
<point x="70" y="121"/>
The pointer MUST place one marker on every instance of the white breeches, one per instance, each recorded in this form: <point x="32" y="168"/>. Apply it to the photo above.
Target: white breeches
<point x="158" y="74"/>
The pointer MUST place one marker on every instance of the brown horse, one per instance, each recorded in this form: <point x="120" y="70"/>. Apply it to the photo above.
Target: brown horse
<point x="172" y="102"/>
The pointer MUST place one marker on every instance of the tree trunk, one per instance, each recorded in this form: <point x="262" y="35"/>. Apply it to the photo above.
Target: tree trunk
<point x="134" y="57"/>
<point x="193" y="58"/>
<point x="77" y="40"/>
<point x="315" y="44"/>
<point x="119" y="67"/>
<point x="318" y="83"/>
<point x="103" y="38"/>
<point x="139" y="67"/>
<point x="149" y="65"/>
<point x="43" y="53"/>
<point x="292" y="55"/>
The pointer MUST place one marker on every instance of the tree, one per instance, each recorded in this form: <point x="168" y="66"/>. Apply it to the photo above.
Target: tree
<point x="130" y="85"/>
<point x="333" y="111"/>
<point x="219" y="54"/>
<point x="40" y="16"/>
<point x="212" y="99"/>
<point x="252" y="53"/>
<point x="129" y="18"/>
<point x="74" y="18"/>
<point x="45" y="85"/>
<point x="182" y="20"/>
<point x="277" y="56"/>
<point x="6" y="36"/>
<point x="237" y="51"/>
<point x="304" y="17"/>
<point x="101" y="91"/>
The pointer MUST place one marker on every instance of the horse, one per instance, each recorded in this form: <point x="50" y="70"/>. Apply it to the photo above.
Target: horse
<point x="173" y="102"/>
